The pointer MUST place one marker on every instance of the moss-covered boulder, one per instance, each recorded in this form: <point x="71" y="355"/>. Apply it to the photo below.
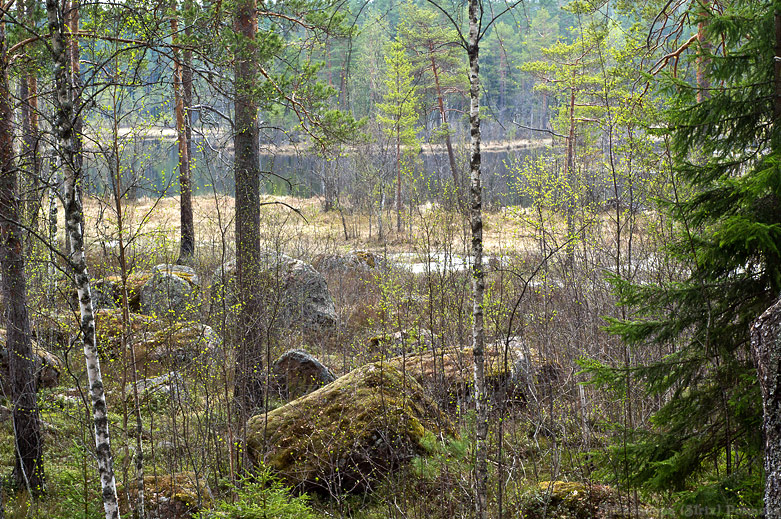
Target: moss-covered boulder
<point x="159" y="345"/>
<point x="570" y="499"/>
<point x="447" y="374"/>
<point x="171" y="293"/>
<point x="170" y="496"/>
<point x="345" y="435"/>
<point x="167" y="291"/>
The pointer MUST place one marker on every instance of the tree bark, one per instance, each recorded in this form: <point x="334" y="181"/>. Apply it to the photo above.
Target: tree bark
<point x="28" y="95"/>
<point x="64" y="122"/>
<point x="451" y="156"/>
<point x="570" y="195"/>
<point x="398" y="176"/>
<point x="29" y="470"/>
<point x="249" y="381"/>
<point x="703" y="82"/>
<point x="478" y="281"/>
<point x="777" y="74"/>
<point x="187" y="231"/>
<point x="766" y="345"/>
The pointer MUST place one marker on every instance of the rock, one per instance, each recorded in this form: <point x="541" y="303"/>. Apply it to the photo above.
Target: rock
<point x="296" y="292"/>
<point x="297" y="373"/>
<point x="159" y="391"/>
<point x="46" y="365"/>
<point x="168" y="295"/>
<point x="343" y="436"/>
<point x="448" y="375"/>
<point x="107" y="292"/>
<point x="572" y="499"/>
<point x="5" y="414"/>
<point x="159" y="346"/>
<point x="353" y="261"/>
<point x="160" y="290"/>
<point x="183" y="271"/>
<point x="172" y="496"/>
<point x="410" y="340"/>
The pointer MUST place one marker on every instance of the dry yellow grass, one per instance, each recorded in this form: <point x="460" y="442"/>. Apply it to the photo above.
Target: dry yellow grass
<point x="299" y="227"/>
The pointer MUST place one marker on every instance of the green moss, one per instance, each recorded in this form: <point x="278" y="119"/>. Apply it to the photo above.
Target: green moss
<point x="351" y="430"/>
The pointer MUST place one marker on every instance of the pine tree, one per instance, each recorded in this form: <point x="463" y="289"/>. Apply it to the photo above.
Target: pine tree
<point x="399" y="112"/>
<point x="724" y="144"/>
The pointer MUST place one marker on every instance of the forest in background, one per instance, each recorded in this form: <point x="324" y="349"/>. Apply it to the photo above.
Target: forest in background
<point x="321" y="265"/>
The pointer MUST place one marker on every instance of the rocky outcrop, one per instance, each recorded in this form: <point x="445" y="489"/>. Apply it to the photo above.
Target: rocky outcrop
<point x="573" y="499"/>
<point x="297" y="373"/>
<point x="354" y="261"/>
<point x="345" y="435"/>
<point x="409" y="340"/>
<point x="171" y="496"/>
<point x="167" y="291"/>
<point x="171" y="293"/>
<point x="293" y="291"/>
<point x="158" y="391"/>
<point x="447" y="374"/>
<point x="160" y="345"/>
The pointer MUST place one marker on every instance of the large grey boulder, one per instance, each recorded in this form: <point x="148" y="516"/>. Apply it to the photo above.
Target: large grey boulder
<point x="293" y="291"/>
<point x="353" y="261"/>
<point x="169" y="293"/>
<point x="297" y="373"/>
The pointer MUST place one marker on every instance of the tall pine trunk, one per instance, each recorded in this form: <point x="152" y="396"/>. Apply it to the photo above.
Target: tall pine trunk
<point x="187" y="232"/>
<point x="69" y="159"/>
<point x="451" y="156"/>
<point x="28" y="471"/>
<point x="478" y="281"/>
<point x="249" y="381"/>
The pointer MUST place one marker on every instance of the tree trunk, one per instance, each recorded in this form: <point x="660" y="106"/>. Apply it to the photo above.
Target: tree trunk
<point x="777" y="76"/>
<point x="398" y="177"/>
<point x="187" y="231"/>
<point x="443" y="118"/>
<point x="28" y="95"/>
<point x="66" y="143"/>
<point x="703" y="83"/>
<point x="478" y="281"/>
<point x="766" y="344"/>
<point x="570" y="183"/>
<point x="28" y="471"/>
<point x="249" y="381"/>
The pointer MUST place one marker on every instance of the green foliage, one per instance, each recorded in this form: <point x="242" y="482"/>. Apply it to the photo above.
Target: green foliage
<point x="398" y="111"/>
<point x="262" y="497"/>
<point x="726" y="147"/>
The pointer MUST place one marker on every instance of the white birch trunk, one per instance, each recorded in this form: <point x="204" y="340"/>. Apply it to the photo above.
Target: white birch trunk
<point x="478" y="282"/>
<point x="63" y="127"/>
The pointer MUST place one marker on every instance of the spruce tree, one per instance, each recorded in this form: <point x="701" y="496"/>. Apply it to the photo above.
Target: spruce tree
<point x="723" y="138"/>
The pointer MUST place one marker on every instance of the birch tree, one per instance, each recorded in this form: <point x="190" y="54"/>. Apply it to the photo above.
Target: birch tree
<point x="66" y="146"/>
